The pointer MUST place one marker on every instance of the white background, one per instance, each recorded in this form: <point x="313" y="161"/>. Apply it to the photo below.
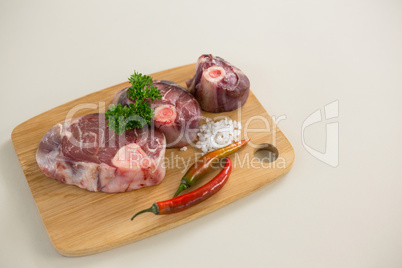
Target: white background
<point x="299" y="56"/>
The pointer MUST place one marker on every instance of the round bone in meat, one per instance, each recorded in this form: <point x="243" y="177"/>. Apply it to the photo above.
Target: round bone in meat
<point x="177" y="113"/>
<point x="218" y="85"/>
<point x="84" y="152"/>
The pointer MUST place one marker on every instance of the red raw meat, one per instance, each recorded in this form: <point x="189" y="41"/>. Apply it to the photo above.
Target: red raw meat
<point x="218" y="85"/>
<point x="84" y="152"/>
<point x="177" y="114"/>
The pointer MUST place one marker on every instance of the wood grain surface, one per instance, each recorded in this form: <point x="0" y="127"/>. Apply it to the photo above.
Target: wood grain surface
<point x="80" y="222"/>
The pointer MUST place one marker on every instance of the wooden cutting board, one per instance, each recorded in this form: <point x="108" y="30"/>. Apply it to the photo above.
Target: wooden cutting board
<point x="80" y="222"/>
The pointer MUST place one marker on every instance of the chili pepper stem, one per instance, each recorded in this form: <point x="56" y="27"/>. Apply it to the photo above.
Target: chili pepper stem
<point x="154" y="209"/>
<point x="204" y="164"/>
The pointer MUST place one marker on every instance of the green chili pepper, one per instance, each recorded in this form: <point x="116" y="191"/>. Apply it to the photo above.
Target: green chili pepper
<point x="204" y="164"/>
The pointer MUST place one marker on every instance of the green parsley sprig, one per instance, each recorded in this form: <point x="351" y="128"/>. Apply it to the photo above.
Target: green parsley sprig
<point x="139" y="113"/>
<point x="142" y="88"/>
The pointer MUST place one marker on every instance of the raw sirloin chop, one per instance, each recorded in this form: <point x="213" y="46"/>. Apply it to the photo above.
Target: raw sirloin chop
<point x="84" y="152"/>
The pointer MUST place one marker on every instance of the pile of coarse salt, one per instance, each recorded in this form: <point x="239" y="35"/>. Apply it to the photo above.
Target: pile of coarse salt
<point x="214" y="135"/>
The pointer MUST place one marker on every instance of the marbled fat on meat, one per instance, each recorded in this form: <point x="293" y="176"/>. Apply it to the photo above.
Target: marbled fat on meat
<point x="177" y="113"/>
<point x="84" y="152"/>
<point x="218" y="85"/>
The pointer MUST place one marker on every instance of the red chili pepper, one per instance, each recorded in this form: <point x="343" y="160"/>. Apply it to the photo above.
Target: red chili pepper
<point x="192" y="198"/>
<point x="203" y="165"/>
